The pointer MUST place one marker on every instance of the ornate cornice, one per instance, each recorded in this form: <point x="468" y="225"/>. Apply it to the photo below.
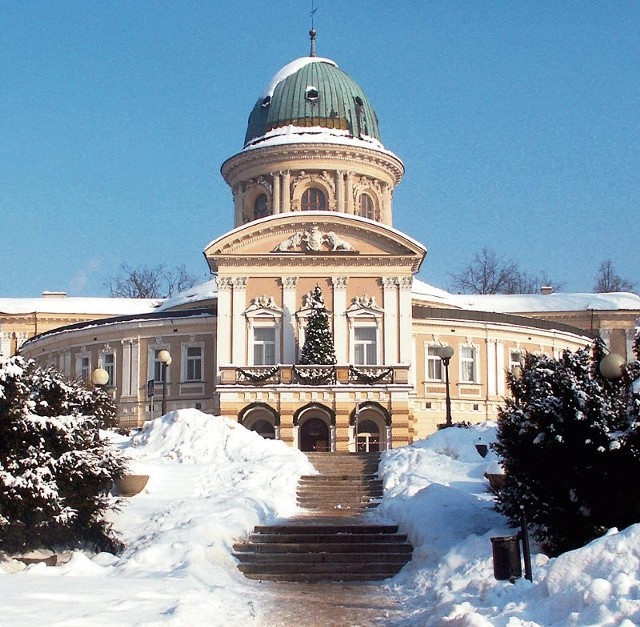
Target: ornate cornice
<point x="268" y="159"/>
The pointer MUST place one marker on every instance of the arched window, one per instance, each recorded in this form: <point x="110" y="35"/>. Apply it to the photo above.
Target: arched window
<point x="367" y="207"/>
<point x="313" y="199"/>
<point x="260" y="209"/>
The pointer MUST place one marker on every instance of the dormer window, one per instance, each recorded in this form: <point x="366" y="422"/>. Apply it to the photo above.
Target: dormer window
<point x="266" y="102"/>
<point x="359" y="102"/>
<point x="311" y="94"/>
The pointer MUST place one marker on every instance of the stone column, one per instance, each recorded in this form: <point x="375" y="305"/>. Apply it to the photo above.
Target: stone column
<point x="289" y="284"/>
<point x="405" y="319"/>
<point x="492" y="374"/>
<point x="386" y="217"/>
<point x="5" y="345"/>
<point x="286" y="191"/>
<point x="501" y="369"/>
<point x="238" y="204"/>
<point x="239" y="327"/>
<point x="630" y="336"/>
<point x="349" y="194"/>
<point x="340" y="327"/>
<point x="127" y="389"/>
<point x="276" y="201"/>
<point x="223" y="348"/>
<point x="391" y="313"/>
<point x="340" y="191"/>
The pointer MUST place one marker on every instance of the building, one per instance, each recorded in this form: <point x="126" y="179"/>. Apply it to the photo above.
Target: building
<point x="313" y="206"/>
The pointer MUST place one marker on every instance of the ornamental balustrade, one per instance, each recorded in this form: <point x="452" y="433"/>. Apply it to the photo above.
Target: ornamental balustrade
<point x="284" y="374"/>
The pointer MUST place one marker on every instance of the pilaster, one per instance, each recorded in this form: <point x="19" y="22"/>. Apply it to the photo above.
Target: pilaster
<point x="340" y="328"/>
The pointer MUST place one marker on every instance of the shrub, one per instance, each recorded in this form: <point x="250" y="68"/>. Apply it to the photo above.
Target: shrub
<point x="570" y="446"/>
<point x="55" y="469"/>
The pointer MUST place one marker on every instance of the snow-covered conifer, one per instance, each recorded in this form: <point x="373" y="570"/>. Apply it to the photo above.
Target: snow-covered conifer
<point x="318" y="348"/>
<point x="55" y="469"/>
<point x="569" y="445"/>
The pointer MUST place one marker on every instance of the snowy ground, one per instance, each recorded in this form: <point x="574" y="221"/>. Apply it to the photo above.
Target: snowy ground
<point x="211" y="481"/>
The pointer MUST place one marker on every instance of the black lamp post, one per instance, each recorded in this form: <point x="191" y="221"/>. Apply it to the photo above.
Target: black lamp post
<point x="446" y="353"/>
<point x="164" y="357"/>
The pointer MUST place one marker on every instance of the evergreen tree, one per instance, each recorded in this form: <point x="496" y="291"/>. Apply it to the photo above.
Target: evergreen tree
<point x="569" y="443"/>
<point x="318" y="348"/>
<point x="55" y="469"/>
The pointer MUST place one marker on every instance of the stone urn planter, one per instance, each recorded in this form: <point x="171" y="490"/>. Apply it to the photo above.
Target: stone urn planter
<point x="34" y="558"/>
<point x="130" y="485"/>
<point x="496" y="481"/>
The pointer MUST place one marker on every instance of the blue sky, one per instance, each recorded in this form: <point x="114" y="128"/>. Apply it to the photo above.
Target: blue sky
<point x="518" y="123"/>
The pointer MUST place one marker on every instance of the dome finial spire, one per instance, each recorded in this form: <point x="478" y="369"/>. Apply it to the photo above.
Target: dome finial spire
<point x="312" y="32"/>
<point x="312" y="35"/>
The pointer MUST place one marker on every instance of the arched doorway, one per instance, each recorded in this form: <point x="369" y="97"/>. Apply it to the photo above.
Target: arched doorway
<point x="368" y="436"/>
<point x="262" y="419"/>
<point x="265" y="429"/>
<point x="314" y="435"/>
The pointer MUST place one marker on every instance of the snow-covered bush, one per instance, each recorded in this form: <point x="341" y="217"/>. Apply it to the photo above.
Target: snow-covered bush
<point x="570" y="446"/>
<point x="55" y="470"/>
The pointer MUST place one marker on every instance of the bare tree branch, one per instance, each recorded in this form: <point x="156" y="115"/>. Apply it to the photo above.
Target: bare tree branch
<point x="146" y="282"/>
<point x="607" y="279"/>
<point x="487" y="274"/>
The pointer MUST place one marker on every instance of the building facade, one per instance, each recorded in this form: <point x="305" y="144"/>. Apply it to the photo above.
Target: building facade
<point x="312" y="196"/>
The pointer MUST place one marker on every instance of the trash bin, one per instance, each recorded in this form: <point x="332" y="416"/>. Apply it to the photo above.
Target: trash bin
<point x="507" y="564"/>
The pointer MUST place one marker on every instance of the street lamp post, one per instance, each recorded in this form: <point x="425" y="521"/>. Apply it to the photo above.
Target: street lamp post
<point x="611" y="366"/>
<point x="164" y="357"/>
<point x="446" y="353"/>
<point x="100" y="377"/>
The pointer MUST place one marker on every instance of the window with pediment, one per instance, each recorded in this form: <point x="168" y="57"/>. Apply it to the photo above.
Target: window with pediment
<point x="365" y="331"/>
<point x="263" y="331"/>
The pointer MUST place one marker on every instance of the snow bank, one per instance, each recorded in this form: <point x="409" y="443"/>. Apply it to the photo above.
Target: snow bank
<point x="211" y="481"/>
<point x="436" y="490"/>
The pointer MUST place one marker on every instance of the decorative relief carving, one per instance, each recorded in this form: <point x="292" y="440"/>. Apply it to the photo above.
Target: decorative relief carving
<point x="240" y="282"/>
<point x="365" y="302"/>
<point x="339" y="282"/>
<point x="224" y="283"/>
<point x="289" y="282"/>
<point x="265" y="183"/>
<point x="313" y="240"/>
<point x="265" y="302"/>
<point x="406" y="282"/>
<point x="389" y="282"/>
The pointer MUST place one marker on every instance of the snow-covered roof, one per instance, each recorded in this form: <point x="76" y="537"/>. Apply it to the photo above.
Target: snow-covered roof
<point x="526" y="303"/>
<point x="558" y="301"/>
<point x="317" y="135"/>
<point x="79" y="305"/>
<point x="292" y="68"/>
<point x="195" y="294"/>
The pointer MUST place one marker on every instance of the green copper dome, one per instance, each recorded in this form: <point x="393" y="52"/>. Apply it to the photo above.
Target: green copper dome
<point x="312" y="95"/>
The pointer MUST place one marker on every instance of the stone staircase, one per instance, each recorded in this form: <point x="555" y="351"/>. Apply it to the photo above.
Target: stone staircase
<point x="330" y="540"/>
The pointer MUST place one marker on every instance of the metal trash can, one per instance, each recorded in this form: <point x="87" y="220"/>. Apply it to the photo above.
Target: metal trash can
<point x="507" y="563"/>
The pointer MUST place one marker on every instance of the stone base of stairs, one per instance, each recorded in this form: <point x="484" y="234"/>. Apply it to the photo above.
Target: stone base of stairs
<point x="330" y="540"/>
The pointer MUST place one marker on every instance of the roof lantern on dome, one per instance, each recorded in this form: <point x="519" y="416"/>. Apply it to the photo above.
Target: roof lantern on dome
<point x="312" y="95"/>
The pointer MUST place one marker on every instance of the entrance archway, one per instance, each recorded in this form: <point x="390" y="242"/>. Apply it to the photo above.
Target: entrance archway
<point x="314" y="436"/>
<point x="368" y="437"/>
<point x="262" y="419"/>
<point x="265" y="429"/>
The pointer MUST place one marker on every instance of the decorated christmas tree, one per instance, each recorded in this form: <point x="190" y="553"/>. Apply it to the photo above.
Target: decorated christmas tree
<point x="318" y="348"/>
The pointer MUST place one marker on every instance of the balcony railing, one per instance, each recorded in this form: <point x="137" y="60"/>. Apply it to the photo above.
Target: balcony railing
<point x="314" y="375"/>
